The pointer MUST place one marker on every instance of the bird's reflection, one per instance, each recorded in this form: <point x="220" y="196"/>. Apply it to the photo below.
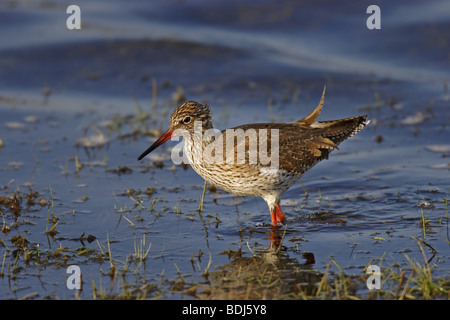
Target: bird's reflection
<point x="268" y="274"/>
<point x="276" y="236"/>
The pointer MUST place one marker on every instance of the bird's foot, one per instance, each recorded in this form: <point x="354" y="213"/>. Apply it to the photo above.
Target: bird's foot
<point x="277" y="216"/>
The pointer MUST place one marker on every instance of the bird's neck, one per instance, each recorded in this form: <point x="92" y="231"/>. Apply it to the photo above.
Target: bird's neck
<point x="199" y="138"/>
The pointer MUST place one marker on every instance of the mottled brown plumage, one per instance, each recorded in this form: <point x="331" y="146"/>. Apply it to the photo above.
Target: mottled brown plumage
<point x="237" y="159"/>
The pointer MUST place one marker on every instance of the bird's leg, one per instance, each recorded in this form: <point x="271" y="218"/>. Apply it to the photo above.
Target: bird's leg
<point x="277" y="220"/>
<point x="277" y="215"/>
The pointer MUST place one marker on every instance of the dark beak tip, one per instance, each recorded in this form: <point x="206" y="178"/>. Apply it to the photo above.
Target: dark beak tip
<point x="145" y="153"/>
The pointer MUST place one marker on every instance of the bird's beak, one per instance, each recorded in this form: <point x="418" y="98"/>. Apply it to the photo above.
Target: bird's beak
<point x="166" y="136"/>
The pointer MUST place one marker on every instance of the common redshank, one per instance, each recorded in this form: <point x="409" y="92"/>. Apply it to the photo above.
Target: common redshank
<point x="261" y="159"/>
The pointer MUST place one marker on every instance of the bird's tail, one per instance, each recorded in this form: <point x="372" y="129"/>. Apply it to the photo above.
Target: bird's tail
<point x="339" y="130"/>
<point x="335" y="130"/>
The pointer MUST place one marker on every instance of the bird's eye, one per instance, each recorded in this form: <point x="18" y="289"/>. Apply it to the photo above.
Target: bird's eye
<point x="187" y="119"/>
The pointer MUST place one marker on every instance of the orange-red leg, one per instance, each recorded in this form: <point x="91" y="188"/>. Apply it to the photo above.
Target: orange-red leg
<point x="277" y="215"/>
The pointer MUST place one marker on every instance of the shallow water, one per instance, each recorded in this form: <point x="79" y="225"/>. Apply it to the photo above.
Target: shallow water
<point x="62" y="90"/>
